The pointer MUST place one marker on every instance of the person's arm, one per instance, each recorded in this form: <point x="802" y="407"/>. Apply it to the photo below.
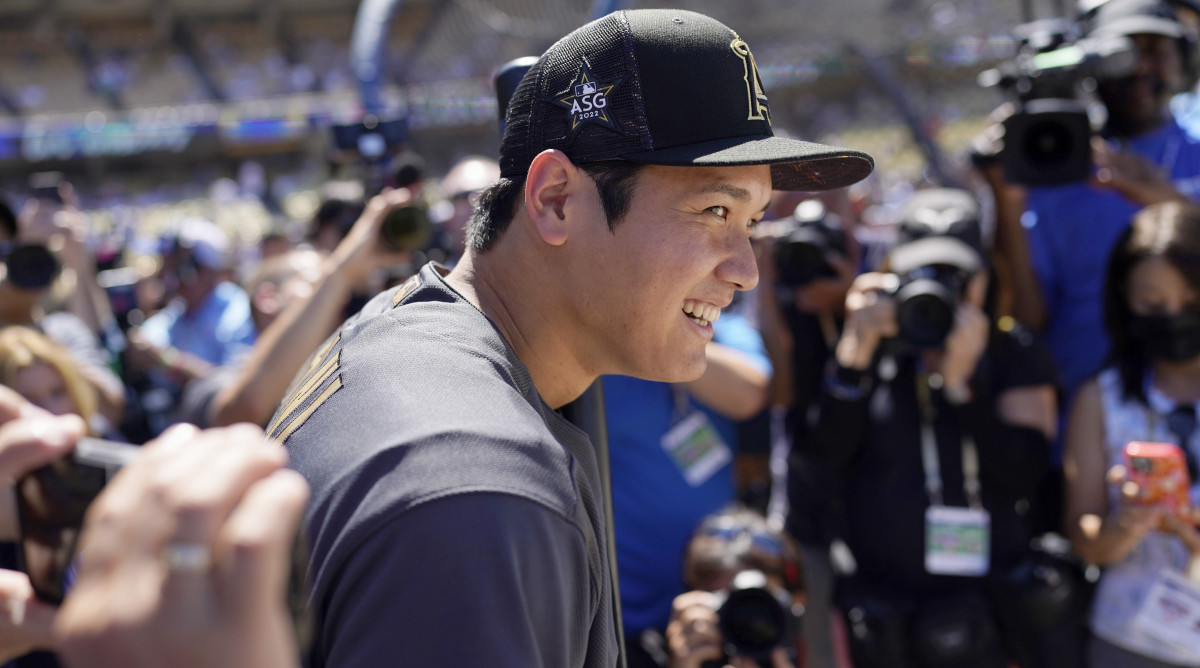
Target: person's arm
<point x="732" y="384"/>
<point x="282" y="348"/>
<point x="1021" y="286"/>
<point x="477" y="579"/>
<point x="777" y="337"/>
<point x="185" y="557"/>
<point x="839" y="425"/>
<point x="1099" y="536"/>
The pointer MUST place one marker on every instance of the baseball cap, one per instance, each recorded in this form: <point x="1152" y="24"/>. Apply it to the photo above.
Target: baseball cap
<point x="661" y="87"/>
<point x="207" y="242"/>
<point x="939" y="226"/>
<point x="1135" y="17"/>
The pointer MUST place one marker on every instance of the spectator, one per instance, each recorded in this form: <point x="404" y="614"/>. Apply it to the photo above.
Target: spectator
<point x="1149" y="392"/>
<point x="671" y="452"/>
<point x="25" y="278"/>
<point x="931" y="390"/>
<point x="725" y="546"/>
<point x="461" y="187"/>
<point x="1055" y="240"/>
<point x="44" y="374"/>
<point x="297" y="303"/>
<point x="207" y="322"/>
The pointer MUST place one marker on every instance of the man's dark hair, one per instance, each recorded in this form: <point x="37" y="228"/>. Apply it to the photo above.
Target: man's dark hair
<point x="615" y="180"/>
<point x="1170" y="231"/>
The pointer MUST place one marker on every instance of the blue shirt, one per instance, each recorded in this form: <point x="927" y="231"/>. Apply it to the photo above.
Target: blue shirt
<point x="655" y="510"/>
<point x="1071" y="231"/>
<point x="217" y="332"/>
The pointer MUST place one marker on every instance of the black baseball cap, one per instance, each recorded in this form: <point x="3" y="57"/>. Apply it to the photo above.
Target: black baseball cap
<point x="1134" y="17"/>
<point x="939" y="226"/>
<point x="661" y="87"/>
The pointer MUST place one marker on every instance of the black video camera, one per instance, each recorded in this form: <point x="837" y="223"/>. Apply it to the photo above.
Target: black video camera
<point x="756" y="617"/>
<point x="802" y="254"/>
<point x="1048" y="140"/>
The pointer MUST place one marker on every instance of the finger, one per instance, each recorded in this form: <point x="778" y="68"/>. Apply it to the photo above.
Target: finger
<point x="977" y="290"/>
<point x="1116" y="475"/>
<point x="30" y="442"/>
<point x="25" y="622"/>
<point x="13" y="406"/>
<point x="125" y="521"/>
<point x="779" y="659"/>
<point x="255" y="547"/>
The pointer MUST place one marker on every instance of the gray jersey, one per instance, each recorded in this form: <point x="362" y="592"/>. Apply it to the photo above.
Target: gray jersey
<point x="455" y="519"/>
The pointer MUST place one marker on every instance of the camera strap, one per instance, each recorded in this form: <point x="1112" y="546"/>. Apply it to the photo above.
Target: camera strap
<point x="929" y="452"/>
<point x="957" y="540"/>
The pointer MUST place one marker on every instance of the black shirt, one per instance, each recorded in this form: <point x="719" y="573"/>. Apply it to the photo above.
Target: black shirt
<point x="455" y="519"/>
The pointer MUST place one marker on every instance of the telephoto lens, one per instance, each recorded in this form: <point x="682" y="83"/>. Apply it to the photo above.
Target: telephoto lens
<point x="406" y="229"/>
<point x="755" y="617"/>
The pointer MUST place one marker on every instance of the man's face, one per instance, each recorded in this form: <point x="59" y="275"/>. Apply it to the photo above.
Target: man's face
<point x="1138" y="104"/>
<point x="646" y="293"/>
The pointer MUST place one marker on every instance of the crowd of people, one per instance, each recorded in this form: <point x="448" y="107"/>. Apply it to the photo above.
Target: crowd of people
<point x="950" y="407"/>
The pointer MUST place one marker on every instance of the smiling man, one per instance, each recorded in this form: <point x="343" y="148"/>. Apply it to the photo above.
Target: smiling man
<point x="456" y="518"/>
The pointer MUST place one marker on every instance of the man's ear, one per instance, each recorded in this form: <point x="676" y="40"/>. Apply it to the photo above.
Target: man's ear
<point x="551" y="179"/>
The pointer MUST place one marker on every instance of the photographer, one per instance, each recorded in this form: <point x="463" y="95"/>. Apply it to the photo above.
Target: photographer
<point x="1055" y="239"/>
<point x="938" y="420"/>
<point x="725" y="615"/>
<point x="807" y="262"/>
<point x="1148" y="393"/>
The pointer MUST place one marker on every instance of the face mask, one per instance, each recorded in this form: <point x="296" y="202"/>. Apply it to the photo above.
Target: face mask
<point x="1167" y="337"/>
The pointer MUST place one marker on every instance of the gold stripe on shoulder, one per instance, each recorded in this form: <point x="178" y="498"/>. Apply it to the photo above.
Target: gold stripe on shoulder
<point x="405" y="290"/>
<point x="310" y="384"/>
<point x="319" y="356"/>
<point x="303" y="417"/>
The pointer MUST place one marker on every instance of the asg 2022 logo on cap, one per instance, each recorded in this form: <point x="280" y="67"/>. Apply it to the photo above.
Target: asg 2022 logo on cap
<point x="587" y="101"/>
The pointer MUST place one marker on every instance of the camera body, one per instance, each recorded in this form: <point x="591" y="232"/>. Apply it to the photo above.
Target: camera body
<point x="756" y="617"/>
<point x="926" y="303"/>
<point x="1047" y="140"/>
<point x="801" y="254"/>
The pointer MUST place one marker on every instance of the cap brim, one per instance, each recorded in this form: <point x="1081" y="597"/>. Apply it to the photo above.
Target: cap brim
<point x="795" y="164"/>
<point x="1139" y="25"/>
<point x="934" y="251"/>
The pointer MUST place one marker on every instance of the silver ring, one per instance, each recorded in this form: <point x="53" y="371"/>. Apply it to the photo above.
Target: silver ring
<point x="187" y="557"/>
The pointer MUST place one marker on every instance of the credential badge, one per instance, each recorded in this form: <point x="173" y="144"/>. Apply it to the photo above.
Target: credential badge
<point x="587" y="99"/>
<point x="755" y="95"/>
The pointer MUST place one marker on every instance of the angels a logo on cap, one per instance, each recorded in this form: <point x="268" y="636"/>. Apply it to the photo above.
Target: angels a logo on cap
<point x="587" y="99"/>
<point x="757" y="98"/>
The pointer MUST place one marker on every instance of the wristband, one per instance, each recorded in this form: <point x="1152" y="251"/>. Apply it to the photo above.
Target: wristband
<point x="847" y="384"/>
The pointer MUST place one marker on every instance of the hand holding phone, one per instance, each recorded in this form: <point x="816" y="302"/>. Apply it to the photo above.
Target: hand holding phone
<point x="1160" y="472"/>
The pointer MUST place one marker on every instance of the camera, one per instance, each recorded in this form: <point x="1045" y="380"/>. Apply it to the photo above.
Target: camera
<point x="1047" y="140"/>
<point x="926" y="303"/>
<point x="51" y="503"/>
<point x="30" y="266"/>
<point x="801" y="254"/>
<point x="406" y="229"/>
<point x="755" y="617"/>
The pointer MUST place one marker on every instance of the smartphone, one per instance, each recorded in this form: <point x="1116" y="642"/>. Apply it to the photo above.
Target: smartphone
<point x="51" y="503"/>
<point x="45" y="186"/>
<point x="1160" y="471"/>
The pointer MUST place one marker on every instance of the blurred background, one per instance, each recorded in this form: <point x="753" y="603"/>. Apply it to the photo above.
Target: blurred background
<point x="156" y="110"/>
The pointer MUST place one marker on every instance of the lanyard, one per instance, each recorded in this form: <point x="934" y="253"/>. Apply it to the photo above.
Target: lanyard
<point x="929" y="453"/>
<point x="1181" y="429"/>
